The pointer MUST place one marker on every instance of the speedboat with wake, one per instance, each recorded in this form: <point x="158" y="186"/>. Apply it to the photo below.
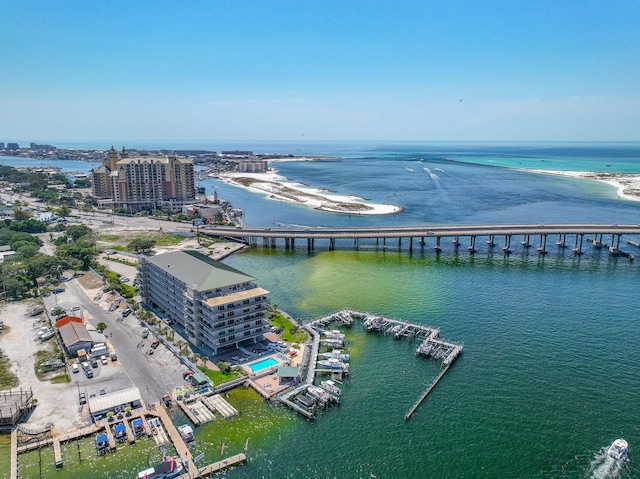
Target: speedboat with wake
<point x="618" y="449"/>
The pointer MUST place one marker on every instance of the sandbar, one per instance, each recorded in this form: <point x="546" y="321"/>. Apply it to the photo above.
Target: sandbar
<point x="627" y="184"/>
<point x="281" y="188"/>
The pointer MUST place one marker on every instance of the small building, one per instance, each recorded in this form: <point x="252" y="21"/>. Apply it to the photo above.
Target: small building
<point x="75" y="337"/>
<point x="288" y="374"/>
<point x="115" y="402"/>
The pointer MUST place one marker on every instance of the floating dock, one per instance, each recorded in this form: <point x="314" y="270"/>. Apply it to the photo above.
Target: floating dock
<point x="219" y="404"/>
<point x="157" y="432"/>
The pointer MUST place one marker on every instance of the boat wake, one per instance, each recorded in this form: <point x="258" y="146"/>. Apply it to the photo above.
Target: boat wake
<point x="603" y="466"/>
<point x="433" y="176"/>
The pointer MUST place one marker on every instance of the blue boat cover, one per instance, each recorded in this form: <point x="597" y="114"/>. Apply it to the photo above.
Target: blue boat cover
<point x="119" y="428"/>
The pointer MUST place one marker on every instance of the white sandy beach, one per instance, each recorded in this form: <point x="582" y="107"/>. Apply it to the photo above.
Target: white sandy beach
<point x="280" y="188"/>
<point x="627" y="184"/>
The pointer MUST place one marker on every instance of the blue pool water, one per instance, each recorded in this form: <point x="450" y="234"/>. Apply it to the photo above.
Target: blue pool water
<point x="262" y="364"/>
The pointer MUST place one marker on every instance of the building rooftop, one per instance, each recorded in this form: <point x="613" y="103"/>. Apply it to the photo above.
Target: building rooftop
<point x="73" y="333"/>
<point x="198" y="271"/>
<point x="239" y="296"/>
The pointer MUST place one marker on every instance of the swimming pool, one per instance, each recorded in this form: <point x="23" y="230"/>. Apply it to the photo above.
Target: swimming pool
<point x="262" y="364"/>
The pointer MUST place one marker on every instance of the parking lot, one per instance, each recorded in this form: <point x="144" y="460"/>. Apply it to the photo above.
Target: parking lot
<point x="154" y="375"/>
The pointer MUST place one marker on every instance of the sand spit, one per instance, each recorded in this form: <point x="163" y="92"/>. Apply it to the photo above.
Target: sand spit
<point x="627" y="184"/>
<point x="279" y="188"/>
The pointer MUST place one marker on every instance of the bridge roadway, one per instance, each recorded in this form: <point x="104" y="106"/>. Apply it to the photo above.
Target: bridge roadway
<point x="250" y="235"/>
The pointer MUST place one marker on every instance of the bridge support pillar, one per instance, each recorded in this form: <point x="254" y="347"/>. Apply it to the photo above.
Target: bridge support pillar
<point x="332" y="244"/>
<point x="542" y="249"/>
<point x="309" y="244"/>
<point x="411" y="244"/>
<point x="491" y="241"/>
<point x="507" y="244"/>
<point x="422" y="241"/>
<point x="437" y="246"/>
<point x="286" y="243"/>
<point x="577" y="248"/>
<point x="525" y="241"/>
<point x="293" y="243"/>
<point x="562" y="240"/>
<point x="456" y="241"/>
<point x="355" y="243"/>
<point x="472" y="246"/>
<point x="399" y="242"/>
<point x="597" y="241"/>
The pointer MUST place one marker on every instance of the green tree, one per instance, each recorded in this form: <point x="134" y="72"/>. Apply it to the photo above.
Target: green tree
<point x="101" y="327"/>
<point x="63" y="211"/>
<point x="141" y="244"/>
<point x="20" y="214"/>
<point x="78" y="231"/>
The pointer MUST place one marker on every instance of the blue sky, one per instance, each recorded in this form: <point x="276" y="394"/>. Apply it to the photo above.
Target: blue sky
<point x="323" y="70"/>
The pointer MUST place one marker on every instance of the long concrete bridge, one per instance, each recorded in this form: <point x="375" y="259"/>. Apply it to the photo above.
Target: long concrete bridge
<point x="566" y="234"/>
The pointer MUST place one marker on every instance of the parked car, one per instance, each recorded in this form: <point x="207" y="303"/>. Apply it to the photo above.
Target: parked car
<point x="126" y="312"/>
<point x="150" y="352"/>
<point x="82" y="398"/>
<point x="103" y="359"/>
<point x="58" y="290"/>
<point x="75" y="368"/>
<point x="85" y="365"/>
<point x="145" y="333"/>
<point x="75" y="308"/>
<point x="155" y="343"/>
<point x="102" y="392"/>
<point x="124" y="279"/>
<point x="94" y="363"/>
<point x="88" y="373"/>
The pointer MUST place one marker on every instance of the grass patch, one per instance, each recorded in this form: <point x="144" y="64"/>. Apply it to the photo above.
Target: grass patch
<point x="61" y="379"/>
<point x="129" y="289"/>
<point x="218" y="377"/>
<point x="120" y="241"/>
<point x="44" y="355"/>
<point x="8" y="379"/>
<point x="290" y="332"/>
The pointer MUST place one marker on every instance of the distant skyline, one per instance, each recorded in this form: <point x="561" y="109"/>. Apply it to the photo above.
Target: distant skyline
<point x="292" y="70"/>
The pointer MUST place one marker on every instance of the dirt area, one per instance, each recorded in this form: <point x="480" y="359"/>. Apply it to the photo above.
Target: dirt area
<point x="57" y="403"/>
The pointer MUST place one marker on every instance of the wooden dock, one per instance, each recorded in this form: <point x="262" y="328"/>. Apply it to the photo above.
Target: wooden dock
<point x="426" y="393"/>
<point x="57" y="453"/>
<point x="14" y="454"/>
<point x="219" y="465"/>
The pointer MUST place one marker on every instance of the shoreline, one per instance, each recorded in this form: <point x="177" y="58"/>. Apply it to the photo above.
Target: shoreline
<point x="626" y="184"/>
<point x="278" y="187"/>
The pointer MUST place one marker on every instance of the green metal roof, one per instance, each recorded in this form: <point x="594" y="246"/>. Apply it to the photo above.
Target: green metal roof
<point x="287" y="371"/>
<point x="198" y="271"/>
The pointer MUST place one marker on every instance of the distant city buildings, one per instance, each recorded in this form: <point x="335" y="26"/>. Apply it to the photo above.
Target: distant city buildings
<point x="253" y="166"/>
<point x="218" y="306"/>
<point x="143" y="182"/>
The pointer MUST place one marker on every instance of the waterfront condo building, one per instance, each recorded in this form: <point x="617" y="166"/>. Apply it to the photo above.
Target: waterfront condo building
<point x="144" y="181"/>
<point x="217" y="305"/>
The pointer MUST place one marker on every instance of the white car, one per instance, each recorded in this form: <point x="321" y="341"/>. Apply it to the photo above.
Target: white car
<point x="75" y="368"/>
<point x="103" y="359"/>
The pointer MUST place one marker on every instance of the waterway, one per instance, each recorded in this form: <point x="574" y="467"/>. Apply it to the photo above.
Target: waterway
<point x="549" y="374"/>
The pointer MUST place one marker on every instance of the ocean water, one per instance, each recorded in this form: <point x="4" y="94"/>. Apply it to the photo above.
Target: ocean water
<point x="549" y="374"/>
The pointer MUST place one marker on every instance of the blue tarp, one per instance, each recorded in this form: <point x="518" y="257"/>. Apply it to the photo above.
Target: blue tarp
<point x="119" y="428"/>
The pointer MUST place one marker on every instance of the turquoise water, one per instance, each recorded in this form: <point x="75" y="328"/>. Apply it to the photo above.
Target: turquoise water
<point x="262" y="364"/>
<point x="549" y="374"/>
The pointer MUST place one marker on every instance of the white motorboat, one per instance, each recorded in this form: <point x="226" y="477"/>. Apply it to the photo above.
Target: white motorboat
<point x="333" y="363"/>
<point x="336" y="354"/>
<point x="618" y="449"/>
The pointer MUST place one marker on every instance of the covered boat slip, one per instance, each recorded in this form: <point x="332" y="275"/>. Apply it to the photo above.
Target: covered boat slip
<point x="200" y="408"/>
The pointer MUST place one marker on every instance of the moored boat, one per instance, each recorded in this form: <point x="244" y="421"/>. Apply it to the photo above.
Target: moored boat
<point x="618" y="449"/>
<point x="186" y="432"/>
<point x="337" y="354"/>
<point x="170" y="467"/>
<point x="102" y="443"/>
<point x="333" y="363"/>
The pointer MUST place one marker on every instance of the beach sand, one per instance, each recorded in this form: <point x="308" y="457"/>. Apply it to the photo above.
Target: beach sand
<point x="280" y="188"/>
<point x="627" y="184"/>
